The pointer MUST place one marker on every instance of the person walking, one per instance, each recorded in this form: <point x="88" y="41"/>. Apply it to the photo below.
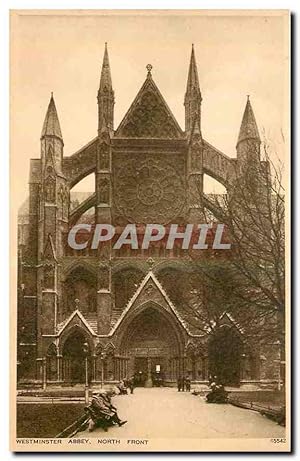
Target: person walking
<point x="180" y="384"/>
<point x="187" y="382"/>
<point x="131" y="384"/>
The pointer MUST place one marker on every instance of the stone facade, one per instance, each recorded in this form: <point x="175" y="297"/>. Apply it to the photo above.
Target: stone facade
<point x="120" y="313"/>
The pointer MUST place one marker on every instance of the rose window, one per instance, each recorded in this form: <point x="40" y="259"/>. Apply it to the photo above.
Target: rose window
<point x="151" y="191"/>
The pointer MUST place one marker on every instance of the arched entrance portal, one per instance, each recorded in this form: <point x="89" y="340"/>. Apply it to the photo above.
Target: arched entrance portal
<point x="152" y="344"/>
<point x="75" y="352"/>
<point x="225" y="351"/>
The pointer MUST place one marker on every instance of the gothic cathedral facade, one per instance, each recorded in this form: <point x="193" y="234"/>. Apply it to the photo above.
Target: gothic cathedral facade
<point x="123" y="312"/>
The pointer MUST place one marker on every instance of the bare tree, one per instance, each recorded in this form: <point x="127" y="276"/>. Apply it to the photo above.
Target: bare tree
<point x="253" y="211"/>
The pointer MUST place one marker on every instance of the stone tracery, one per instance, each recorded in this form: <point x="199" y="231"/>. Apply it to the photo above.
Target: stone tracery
<point x="152" y="191"/>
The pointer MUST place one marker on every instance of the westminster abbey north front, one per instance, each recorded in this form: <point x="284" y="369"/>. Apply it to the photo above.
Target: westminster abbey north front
<point x="130" y="312"/>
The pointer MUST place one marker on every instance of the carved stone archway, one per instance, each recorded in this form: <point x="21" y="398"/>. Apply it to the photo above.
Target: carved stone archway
<point x="153" y="342"/>
<point x="76" y="350"/>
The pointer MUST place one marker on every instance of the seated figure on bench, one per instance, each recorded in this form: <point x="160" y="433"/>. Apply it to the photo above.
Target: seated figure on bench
<point x="102" y="412"/>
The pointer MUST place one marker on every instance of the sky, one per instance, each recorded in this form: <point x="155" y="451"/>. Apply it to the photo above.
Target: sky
<point x="62" y="52"/>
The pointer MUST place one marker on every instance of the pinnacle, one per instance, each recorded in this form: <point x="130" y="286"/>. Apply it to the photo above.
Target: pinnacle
<point x="192" y="98"/>
<point x="105" y="80"/>
<point x="51" y="126"/>
<point x="193" y="79"/>
<point x="248" y="128"/>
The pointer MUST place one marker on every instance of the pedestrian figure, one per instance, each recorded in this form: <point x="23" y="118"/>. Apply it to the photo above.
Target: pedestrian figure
<point x="187" y="382"/>
<point x="180" y="383"/>
<point x="102" y="410"/>
<point x="130" y="383"/>
<point x="218" y="394"/>
<point x="122" y="388"/>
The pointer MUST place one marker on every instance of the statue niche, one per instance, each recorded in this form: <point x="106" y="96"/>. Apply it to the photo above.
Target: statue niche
<point x="81" y="285"/>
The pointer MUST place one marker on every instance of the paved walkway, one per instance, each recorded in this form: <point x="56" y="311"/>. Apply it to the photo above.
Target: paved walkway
<point x="164" y="412"/>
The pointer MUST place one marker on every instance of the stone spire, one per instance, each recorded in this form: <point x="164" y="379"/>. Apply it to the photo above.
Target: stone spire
<point x="193" y="98"/>
<point x="248" y="144"/>
<point x="193" y="79"/>
<point x="248" y="128"/>
<point x="51" y="125"/>
<point x="105" y="79"/>
<point x="105" y="97"/>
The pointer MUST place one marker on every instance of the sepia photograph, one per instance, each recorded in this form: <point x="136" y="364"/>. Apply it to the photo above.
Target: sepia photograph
<point x="150" y="184"/>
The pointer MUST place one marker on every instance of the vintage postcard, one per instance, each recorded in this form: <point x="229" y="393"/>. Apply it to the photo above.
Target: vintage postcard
<point x="150" y="164"/>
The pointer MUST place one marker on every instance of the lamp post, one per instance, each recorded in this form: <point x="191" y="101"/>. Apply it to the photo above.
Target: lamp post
<point x="44" y="371"/>
<point x="102" y="357"/>
<point x="149" y="382"/>
<point x="86" y="387"/>
<point x="243" y="371"/>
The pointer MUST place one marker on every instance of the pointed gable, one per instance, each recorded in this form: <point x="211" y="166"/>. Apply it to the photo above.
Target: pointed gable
<point x="149" y="116"/>
<point x="227" y="319"/>
<point x="49" y="252"/>
<point x="50" y="165"/>
<point x="150" y="290"/>
<point x="76" y="319"/>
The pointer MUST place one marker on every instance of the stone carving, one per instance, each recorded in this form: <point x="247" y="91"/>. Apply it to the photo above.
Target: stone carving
<point x="104" y="156"/>
<point x="103" y="277"/>
<point x="49" y="160"/>
<point x="110" y="349"/>
<point x="196" y="154"/>
<point x="195" y="190"/>
<point x="49" y="188"/>
<point x="52" y="350"/>
<point x="149" y="119"/>
<point x="148" y="191"/>
<point x="65" y="208"/>
<point x="190" y="349"/>
<point x="104" y="191"/>
<point x="149" y="289"/>
<point x="99" y="349"/>
<point x="40" y="202"/>
<point x="64" y="202"/>
<point x="49" y="252"/>
<point x="49" y="277"/>
<point x="80" y="290"/>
